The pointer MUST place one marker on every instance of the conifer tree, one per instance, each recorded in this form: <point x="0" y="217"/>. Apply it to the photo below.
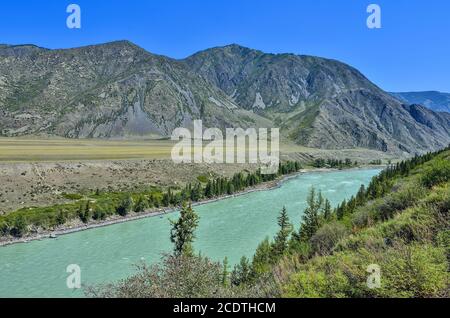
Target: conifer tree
<point x="281" y="239"/>
<point x="182" y="234"/>
<point x="326" y="212"/>
<point x="225" y="272"/>
<point x="310" y="219"/>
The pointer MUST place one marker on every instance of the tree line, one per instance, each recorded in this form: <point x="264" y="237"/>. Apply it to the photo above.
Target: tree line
<point x="102" y="205"/>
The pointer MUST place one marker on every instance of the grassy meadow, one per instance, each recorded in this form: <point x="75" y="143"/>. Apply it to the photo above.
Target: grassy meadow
<point x="29" y="149"/>
<point x="20" y="149"/>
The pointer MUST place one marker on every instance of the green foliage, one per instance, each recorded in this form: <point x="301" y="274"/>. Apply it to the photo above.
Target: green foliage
<point x="4" y="228"/>
<point x="280" y="244"/>
<point x="310" y="219"/>
<point x="395" y="223"/>
<point x="262" y="260"/>
<point x="104" y="204"/>
<point x="175" y="277"/>
<point x="333" y="163"/>
<point x="141" y="204"/>
<point x="324" y="240"/>
<point x="19" y="227"/>
<point x="242" y="272"/>
<point x="437" y="173"/>
<point x="406" y="271"/>
<point x="203" y="179"/>
<point x="182" y="234"/>
<point x="61" y="217"/>
<point x="225" y="273"/>
<point x="85" y="212"/>
<point x="125" y="206"/>
<point x="99" y="214"/>
<point x="72" y="196"/>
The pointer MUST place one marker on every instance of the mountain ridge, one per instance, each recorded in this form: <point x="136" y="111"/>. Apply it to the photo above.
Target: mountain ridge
<point x="315" y="92"/>
<point x="119" y="90"/>
<point x="434" y="100"/>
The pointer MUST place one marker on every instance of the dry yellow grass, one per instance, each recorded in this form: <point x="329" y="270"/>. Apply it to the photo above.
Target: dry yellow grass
<point x="21" y="149"/>
<point x="59" y="149"/>
<point x="18" y="149"/>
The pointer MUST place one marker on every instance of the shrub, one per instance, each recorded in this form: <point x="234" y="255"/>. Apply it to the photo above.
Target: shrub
<point x="141" y="205"/>
<point x="327" y="237"/>
<point x="72" y="196"/>
<point x="175" y="277"/>
<point x="85" y="212"/>
<point x="61" y="217"/>
<point x="437" y="173"/>
<point x="125" y="206"/>
<point x="406" y="271"/>
<point x="4" y="228"/>
<point x="317" y="284"/>
<point x="396" y="202"/>
<point x="203" y="179"/>
<point x="20" y="226"/>
<point x="99" y="214"/>
<point x="418" y="271"/>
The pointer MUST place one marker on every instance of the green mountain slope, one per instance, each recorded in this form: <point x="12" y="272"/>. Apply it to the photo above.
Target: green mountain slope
<point x="401" y="224"/>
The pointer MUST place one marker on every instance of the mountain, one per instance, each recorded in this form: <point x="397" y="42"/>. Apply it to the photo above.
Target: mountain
<point x="436" y="101"/>
<point x="112" y="90"/>
<point x="320" y="102"/>
<point x="119" y="90"/>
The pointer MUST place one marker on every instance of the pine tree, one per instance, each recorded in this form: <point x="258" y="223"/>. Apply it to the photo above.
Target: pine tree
<point x="125" y="206"/>
<point x="141" y="205"/>
<point x="263" y="257"/>
<point x="326" y="211"/>
<point x="281" y="239"/>
<point x="225" y="272"/>
<point x="310" y="219"/>
<point x="182" y="234"/>
<point x="242" y="272"/>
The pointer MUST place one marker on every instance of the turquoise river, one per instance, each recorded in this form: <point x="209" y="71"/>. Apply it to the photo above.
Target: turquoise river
<point x="231" y="227"/>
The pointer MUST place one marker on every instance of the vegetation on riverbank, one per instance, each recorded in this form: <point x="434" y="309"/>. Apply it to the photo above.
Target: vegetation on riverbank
<point x="100" y="205"/>
<point x="400" y="224"/>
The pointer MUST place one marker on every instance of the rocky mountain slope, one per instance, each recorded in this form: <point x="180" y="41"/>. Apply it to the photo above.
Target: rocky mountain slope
<point x="436" y="101"/>
<point x="319" y="102"/>
<point x="118" y="90"/>
<point x="111" y="90"/>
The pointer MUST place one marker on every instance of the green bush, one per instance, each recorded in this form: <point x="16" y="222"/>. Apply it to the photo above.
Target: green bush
<point x="327" y="237"/>
<point x="437" y="173"/>
<point x="125" y="206"/>
<point x="99" y="214"/>
<point x="317" y="284"/>
<point x="19" y="227"/>
<point x="4" y="228"/>
<point x="203" y="179"/>
<point x="141" y="205"/>
<point x="406" y="271"/>
<point x="175" y="277"/>
<point x="72" y="196"/>
<point x="61" y="218"/>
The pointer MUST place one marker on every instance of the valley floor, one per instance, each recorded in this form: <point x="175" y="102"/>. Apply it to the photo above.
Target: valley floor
<point x="35" y="172"/>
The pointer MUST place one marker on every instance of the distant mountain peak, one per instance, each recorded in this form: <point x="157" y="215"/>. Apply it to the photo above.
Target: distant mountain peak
<point x="434" y="100"/>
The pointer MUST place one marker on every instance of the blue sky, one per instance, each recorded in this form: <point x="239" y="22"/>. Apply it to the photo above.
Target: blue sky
<point x="410" y="52"/>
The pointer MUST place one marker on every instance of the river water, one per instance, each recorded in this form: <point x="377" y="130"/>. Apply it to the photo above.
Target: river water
<point x="231" y="227"/>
